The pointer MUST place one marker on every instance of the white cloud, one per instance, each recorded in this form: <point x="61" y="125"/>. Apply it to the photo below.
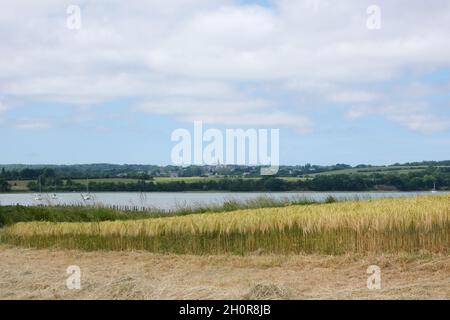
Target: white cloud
<point x="414" y="117"/>
<point x="34" y="124"/>
<point x="275" y="119"/>
<point x="424" y="123"/>
<point x="192" y="58"/>
<point x="228" y="112"/>
<point x="3" y="107"/>
<point x="353" y="96"/>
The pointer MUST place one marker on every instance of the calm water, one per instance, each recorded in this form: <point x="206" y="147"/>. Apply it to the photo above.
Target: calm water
<point x="172" y="200"/>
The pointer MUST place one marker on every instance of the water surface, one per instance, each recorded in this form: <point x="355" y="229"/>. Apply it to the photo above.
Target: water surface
<point x="173" y="200"/>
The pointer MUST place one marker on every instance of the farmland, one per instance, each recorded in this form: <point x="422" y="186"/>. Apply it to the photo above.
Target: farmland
<point x="375" y="169"/>
<point x="41" y="274"/>
<point x="22" y="185"/>
<point x="381" y="226"/>
<point x="103" y="178"/>
<point x="287" y="251"/>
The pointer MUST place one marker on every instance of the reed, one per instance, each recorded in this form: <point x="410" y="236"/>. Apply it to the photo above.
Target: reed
<point x="80" y="212"/>
<point x="387" y="225"/>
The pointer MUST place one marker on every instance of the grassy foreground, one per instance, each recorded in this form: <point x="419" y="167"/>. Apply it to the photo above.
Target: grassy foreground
<point x="381" y="226"/>
<point x="41" y="274"/>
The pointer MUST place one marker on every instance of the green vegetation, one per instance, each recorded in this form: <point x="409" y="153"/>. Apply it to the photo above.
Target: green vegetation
<point x="412" y="181"/>
<point x="13" y="214"/>
<point x="4" y="186"/>
<point x="19" y="185"/>
<point x="374" y="169"/>
<point x="411" y="225"/>
<point x="412" y="177"/>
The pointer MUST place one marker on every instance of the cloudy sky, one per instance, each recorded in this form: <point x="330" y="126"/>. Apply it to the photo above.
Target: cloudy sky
<point x="114" y="89"/>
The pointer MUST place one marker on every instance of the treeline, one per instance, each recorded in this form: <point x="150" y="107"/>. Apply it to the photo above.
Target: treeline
<point x="49" y="179"/>
<point x="413" y="181"/>
<point x="69" y="172"/>
<point x="4" y="185"/>
<point x="98" y="171"/>
<point x="102" y="171"/>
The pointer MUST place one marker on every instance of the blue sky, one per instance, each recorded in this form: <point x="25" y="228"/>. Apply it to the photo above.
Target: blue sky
<point x="115" y="89"/>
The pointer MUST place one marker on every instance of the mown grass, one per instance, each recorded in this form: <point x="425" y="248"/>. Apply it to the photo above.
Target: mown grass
<point x="412" y="225"/>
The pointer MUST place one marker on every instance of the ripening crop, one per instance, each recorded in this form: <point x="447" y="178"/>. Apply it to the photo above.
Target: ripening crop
<point x="387" y="225"/>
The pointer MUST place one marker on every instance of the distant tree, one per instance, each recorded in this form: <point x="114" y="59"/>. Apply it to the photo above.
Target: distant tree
<point x="32" y="185"/>
<point x="429" y="181"/>
<point x="48" y="173"/>
<point x="274" y="184"/>
<point x="4" y="186"/>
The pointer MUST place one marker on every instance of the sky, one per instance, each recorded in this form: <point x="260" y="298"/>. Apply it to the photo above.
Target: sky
<point x="114" y="89"/>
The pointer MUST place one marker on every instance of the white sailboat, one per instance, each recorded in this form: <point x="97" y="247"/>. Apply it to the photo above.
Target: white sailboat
<point x="38" y="197"/>
<point x="87" y="196"/>
<point x="54" y="195"/>
<point x="434" y="188"/>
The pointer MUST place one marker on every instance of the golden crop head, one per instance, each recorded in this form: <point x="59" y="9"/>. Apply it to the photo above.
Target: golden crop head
<point x="420" y="213"/>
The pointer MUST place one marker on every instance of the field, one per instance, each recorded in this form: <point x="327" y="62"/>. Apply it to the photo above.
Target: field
<point x="41" y="274"/>
<point x="376" y="226"/>
<point x="22" y="185"/>
<point x="19" y="185"/>
<point x="371" y="170"/>
<point x="302" y="251"/>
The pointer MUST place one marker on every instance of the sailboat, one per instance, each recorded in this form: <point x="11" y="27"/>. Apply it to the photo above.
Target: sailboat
<point x="87" y="196"/>
<point x="54" y="196"/>
<point x="38" y="197"/>
<point x="434" y="188"/>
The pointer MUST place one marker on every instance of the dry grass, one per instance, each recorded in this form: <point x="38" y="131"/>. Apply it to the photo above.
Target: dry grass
<point x="41" y="274"/>
<point x="387" y="225"/>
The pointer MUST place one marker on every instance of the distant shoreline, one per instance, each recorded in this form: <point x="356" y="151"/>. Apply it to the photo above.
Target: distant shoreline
<point x="228" y="191"/>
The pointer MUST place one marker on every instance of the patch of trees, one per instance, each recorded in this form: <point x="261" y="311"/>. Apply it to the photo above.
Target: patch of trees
<point x="4" y="185"/>
<point x="413" y="181"/>
<point x="98" y="171"/>
<point x="56" y="178"/>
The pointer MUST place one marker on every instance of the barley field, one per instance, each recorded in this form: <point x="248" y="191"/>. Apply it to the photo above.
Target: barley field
<point x="420" y="224"/>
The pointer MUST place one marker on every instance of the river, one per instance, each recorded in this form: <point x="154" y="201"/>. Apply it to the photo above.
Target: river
<point x="173" y="200"/>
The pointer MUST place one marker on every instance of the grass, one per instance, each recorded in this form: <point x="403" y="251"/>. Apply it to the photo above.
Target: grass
<point x="158" y="179"/>
<point x="39" y="274"/>
<point x="382" y="226"/>
<point x="82" y="213"/>
<point x="375" y="169"/>
<point x="106" y="180"/>
<point x="13" y="214"/>
<point x="22" y="185"/>
<point x="19" y="185"/>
